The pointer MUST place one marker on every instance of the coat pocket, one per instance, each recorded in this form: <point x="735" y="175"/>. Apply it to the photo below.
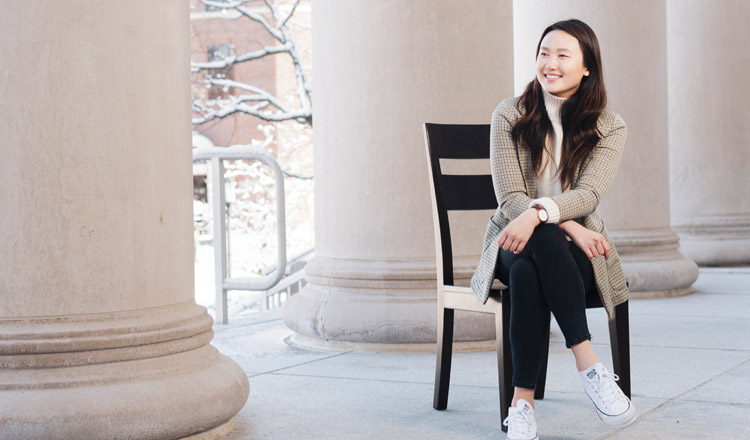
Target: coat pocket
<point x="491" y="234"/>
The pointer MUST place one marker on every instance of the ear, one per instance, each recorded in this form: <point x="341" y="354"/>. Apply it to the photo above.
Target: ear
<point x="586" y="73"/>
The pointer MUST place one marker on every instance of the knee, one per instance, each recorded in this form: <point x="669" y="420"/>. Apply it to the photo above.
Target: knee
<point x="548" y="234"/>
<point x="524" y="283"/>
<point x="522" y="272"/>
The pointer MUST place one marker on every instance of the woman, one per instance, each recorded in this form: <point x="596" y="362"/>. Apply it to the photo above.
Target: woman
<point x="554" y="152"/>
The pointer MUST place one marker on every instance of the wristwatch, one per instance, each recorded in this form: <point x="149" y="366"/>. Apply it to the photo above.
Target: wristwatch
<point x="541" y="214"/>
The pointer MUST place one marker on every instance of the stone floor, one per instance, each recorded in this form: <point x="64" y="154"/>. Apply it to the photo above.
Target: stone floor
<point x="690" y="379"/>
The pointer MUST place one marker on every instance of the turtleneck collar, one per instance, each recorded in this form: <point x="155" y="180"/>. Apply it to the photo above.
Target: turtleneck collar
<point x="553" y="104"/>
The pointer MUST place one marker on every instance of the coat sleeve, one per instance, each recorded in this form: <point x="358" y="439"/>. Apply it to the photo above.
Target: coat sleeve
<point x="510" y="188"/>
<point x="597" y="173"/>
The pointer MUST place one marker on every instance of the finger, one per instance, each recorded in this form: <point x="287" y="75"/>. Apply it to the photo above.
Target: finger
<point x="589" y="254"/>
<point x="507" y="243"/>
<point x="599" y="248"/>
<point x="501" y="240"/>
<point x="512" y="243"/>
<point x="606" y="250"/>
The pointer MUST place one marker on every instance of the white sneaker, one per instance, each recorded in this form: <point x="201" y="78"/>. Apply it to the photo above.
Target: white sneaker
<point x="521" y="422"/>
<point x="612" y="405"/>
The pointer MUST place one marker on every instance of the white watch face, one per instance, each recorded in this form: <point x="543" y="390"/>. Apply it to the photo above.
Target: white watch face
<point x="542" y="214"/>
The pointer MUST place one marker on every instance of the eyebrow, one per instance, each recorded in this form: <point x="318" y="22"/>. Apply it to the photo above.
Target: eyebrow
<point x="559" y="50"/>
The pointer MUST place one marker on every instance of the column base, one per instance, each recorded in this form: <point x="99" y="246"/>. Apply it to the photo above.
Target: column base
<point x="715" y="240"/>
<point x="653" y="267"/>
<point x="220" y="431"/>
<point x="148" y="374"/>
<point x="356" y="304"/>
<point x="316" y="344"/>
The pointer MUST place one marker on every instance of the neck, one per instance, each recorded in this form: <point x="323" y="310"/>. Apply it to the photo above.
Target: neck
<point x="553" y="104"/>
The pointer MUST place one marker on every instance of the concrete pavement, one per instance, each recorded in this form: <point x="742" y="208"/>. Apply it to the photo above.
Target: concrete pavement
<point x="691" y="378"/>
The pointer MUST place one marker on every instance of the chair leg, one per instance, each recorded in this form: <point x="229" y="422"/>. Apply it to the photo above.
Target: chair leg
<point x="619" y="337"/>
<point x="504" y="360"/>
<point x="444" y="354"/>
<point x="541" y="381"/>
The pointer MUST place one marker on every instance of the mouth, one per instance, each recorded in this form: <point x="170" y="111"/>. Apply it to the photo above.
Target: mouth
<point x="551" y="76"/>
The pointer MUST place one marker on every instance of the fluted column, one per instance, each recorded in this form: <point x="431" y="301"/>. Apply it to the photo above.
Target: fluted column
<point x="709" y="133"/>
<point x="100" y="336"/>
<point x="632" y="36"/>
<point x="382" y="69"/>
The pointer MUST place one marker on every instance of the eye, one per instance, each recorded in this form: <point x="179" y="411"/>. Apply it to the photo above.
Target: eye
<point x="542" y="54"/>
<point x="562" y="55"/>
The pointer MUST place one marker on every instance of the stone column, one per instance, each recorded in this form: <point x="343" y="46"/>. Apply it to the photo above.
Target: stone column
<point x="632" y="36"/>
<point x="382" y="69"/>
<point x="100" y="336"/>
<point x="709" y="134"/>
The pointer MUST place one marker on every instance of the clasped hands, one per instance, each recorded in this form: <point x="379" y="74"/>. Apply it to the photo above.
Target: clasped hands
<point x="518" y="232"/>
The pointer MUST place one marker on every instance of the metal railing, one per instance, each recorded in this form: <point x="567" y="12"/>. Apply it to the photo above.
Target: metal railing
<point x="293" y="281"/>
<point x="217" y="155"/>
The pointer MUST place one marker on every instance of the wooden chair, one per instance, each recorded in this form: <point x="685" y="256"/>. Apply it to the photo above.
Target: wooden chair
<point x="476" y="192"/>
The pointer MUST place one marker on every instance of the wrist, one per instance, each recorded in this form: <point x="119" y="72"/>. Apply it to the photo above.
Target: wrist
<point x="567" y="225"/>
<point x="532" y="212"/>
<point x="541" y="213"/>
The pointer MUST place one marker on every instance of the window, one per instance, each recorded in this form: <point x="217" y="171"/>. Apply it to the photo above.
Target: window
<point x="216" y="53"/>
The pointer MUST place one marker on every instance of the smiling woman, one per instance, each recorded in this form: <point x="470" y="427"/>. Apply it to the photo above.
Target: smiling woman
<point x="554" y="152"/>
<point x="559" y="64"/>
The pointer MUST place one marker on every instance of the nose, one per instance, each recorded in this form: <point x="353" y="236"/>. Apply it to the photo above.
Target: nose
<point x="551" y="62"/>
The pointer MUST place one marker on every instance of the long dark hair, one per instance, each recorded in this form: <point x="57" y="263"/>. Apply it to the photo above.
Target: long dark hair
<point x="579" y="113"/>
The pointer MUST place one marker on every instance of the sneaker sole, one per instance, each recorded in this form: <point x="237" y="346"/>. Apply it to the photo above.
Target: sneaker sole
<point x="621" y="420"/>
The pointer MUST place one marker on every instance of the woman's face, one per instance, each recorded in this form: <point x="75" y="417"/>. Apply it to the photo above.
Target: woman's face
<point x="559" y="65"/>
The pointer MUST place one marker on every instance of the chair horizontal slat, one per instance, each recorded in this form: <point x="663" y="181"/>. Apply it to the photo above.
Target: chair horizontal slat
<point x="459" y="141"/>
<point x="458" y="290"/>
<point x="462" y="298"/>
<point x="459" y="301"/>
<point x="463" y="193"/>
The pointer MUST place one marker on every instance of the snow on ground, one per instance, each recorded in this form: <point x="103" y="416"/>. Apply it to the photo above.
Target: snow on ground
<point x="239" y="303"/>
<point x="245" y="259"/>
<point x="251" y="218"/>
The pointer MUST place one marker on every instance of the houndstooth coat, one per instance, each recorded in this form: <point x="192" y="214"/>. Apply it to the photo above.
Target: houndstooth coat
<point x="516" y="189"/>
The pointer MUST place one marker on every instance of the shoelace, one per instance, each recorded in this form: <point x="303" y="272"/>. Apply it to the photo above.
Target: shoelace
<point x="608" y="389"/>
<point x="521" y="422"/>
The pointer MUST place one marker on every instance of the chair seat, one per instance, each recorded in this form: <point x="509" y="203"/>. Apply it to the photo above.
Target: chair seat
<point x="463" y="298"/>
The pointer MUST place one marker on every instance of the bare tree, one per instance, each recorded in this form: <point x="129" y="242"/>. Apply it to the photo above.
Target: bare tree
<point x="285" y="116"/>
<point x="246" y="98"/>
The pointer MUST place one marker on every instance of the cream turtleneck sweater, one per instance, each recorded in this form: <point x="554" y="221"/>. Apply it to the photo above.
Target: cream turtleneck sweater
<point x="548" y="184"/>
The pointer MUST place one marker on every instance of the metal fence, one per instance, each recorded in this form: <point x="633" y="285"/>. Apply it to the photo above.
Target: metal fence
<point x="283" y="278"/>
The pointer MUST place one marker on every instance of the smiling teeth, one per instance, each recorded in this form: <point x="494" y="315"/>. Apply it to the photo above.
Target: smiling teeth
<point x="552" y="76"/>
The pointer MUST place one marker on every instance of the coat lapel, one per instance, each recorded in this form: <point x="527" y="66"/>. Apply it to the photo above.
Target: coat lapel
<point x="524" y="159"/>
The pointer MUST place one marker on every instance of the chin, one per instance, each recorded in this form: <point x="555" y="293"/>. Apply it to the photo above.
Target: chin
<point x="557" y="92"/>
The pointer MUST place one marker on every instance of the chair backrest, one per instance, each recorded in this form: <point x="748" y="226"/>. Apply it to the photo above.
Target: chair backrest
<point x="455" y="192"/>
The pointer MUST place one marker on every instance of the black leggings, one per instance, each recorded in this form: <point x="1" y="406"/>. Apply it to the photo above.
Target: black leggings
<point x="550" y="273"/>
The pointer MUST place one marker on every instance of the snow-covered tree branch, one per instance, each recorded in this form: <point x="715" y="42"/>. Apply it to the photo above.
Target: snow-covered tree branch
<point x="251" y="86"/>
<point x="265" y="105"/>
